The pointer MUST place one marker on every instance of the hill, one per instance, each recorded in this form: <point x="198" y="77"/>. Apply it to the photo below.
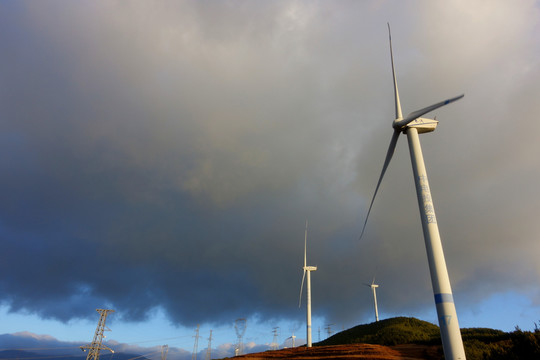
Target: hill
<point x="410" y="338"/>
<point x="394" y="331"/>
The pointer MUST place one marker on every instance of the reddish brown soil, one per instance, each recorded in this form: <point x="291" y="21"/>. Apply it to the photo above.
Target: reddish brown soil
<point x="354" y="351"/>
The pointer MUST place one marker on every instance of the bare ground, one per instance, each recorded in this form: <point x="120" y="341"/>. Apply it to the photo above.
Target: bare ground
<point x="354" y="351"/>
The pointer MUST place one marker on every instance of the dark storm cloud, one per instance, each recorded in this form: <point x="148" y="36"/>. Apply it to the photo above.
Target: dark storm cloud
<point x="167" y="155"/>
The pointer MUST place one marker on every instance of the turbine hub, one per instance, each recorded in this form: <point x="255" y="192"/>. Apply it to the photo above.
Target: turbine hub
<point x="396" y="124"/>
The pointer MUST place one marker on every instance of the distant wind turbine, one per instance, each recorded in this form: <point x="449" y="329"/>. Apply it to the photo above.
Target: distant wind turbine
<point x="412" y="125"/>
<point x="292" y="337"/>
<point x="307" y="270"/>
<point x="373" y="286"/>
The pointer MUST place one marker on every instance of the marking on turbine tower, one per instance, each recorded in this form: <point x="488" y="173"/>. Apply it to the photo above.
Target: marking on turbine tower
<point x="444" y="298"/>
<point x="445" y="319"/>
<point x="425" y="195"/>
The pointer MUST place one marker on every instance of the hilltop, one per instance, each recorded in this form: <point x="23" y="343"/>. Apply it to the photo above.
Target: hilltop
<point x="393" y="331"/>
<point x="410" y="338"/>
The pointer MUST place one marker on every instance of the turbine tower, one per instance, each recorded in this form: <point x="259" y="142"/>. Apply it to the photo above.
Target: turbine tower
<point x="307" y="270"/>
<point x="412" y="125"/>
<point x="96" y="346"/>
<point x="373" y="286"/>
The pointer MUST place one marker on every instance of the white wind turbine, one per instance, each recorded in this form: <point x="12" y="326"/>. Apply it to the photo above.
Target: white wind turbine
<point x="307" y="270"/>
<point x="292" y="337"/>
<point x="374" y="286"/>
<point x="412" y="125"/>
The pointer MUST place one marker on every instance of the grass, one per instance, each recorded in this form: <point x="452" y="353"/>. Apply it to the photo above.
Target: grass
<point x="479" y="343"/>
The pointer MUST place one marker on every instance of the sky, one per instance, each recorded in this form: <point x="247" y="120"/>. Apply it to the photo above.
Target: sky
<point x="161" y="158"/>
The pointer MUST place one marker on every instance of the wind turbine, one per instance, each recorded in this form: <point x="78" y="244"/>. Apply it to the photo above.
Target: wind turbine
<point x="307" y="270"/>
<point x="373" y="286"/>
<point x="293" y="337"/>
<point x="412" y="125"/>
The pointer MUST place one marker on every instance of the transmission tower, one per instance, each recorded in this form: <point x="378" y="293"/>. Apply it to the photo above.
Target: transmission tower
<point x="209" y="348"/>
<point x="240" y="327"/>
<point x="96" y="346"/>
<point x="329" y="329"/>
<point x="274" y="345"/>
<point x="196" y="345"/>
<point x="164" y="351"/>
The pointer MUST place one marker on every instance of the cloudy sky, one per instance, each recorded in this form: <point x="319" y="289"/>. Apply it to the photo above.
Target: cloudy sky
<point x="161" y="159"/>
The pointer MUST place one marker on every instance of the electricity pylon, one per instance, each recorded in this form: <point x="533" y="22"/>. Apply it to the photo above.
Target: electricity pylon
<point x="240" y="327"/>
<point x="275" y="345"/>
<point x="164" y="351"/>
<point x="329" y="330"/>
<point x="209" y="348"/>
<point x="196" y="345"/>
<point x="96" y="346"/>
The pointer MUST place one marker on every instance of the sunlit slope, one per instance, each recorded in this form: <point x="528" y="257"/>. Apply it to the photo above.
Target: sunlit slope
<point x="394" y="331"/>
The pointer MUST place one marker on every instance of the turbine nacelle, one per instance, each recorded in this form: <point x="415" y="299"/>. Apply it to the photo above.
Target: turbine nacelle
<point x="309" y="268"/>
<point x="401" y="123"/>
<point x="372" y="285"/>
<point x="423" y="125"/>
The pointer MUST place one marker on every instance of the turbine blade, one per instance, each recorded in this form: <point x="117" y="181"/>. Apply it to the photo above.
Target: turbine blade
<point x="301" y="288"/>
<point x="389" y="155"/>
<point x="416" y="114"/>
<point x="373" y="281"/>
<point x="399" y="115"/>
